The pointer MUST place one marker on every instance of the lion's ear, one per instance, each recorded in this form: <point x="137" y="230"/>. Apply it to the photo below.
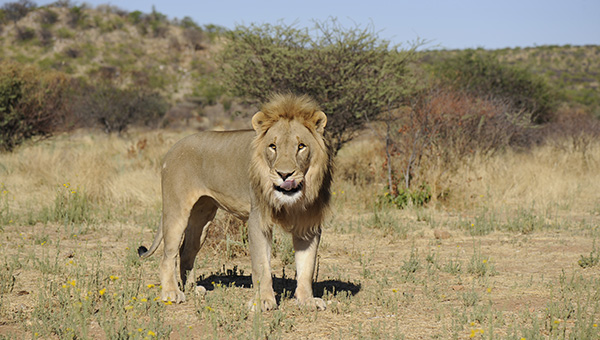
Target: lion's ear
<point x="320" y="120"/>
<point x="257" y="121"/>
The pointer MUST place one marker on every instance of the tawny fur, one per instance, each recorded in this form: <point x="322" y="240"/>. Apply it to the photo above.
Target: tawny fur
<point x="280" y="173"/>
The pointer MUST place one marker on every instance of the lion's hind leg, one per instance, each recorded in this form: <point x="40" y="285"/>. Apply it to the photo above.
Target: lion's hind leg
<point x="202" y="214"/>
<point x="182" y="219"/>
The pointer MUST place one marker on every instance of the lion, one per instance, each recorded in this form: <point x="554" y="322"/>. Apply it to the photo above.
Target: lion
<point x="279" y="173"/>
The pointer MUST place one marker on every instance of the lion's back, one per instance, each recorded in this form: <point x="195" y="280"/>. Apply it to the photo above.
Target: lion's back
<point x="213" y="164"/>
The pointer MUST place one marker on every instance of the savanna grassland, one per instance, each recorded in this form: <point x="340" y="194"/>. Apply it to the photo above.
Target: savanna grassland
<point x="470" y="211"/>
<point x="515" y="256"/>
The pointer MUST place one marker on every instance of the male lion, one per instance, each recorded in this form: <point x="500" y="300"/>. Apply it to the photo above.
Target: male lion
<point x="280" y="173"/>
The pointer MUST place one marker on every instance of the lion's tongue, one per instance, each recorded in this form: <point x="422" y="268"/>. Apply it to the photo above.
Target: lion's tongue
<point x="288" y="185"/>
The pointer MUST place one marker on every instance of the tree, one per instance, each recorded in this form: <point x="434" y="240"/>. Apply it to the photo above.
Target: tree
<point x="352" y="73"/>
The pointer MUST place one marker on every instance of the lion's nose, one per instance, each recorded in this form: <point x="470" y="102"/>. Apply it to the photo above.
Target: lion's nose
<point x="285" y="175"/>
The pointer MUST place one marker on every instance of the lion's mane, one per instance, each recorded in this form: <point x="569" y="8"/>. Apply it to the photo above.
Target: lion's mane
<point x="303" y="218"/>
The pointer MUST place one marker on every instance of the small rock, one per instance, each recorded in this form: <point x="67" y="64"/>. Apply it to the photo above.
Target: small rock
<point x="441" y="234"/>
<point x="200" y="290"/>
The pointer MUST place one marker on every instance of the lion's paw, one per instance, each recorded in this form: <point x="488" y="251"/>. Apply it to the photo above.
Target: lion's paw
<point x="313" y="303"/>
<point x="176" y="296"/>
<point x="265" y="304"/>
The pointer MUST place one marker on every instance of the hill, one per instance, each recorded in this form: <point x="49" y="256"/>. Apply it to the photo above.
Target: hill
<point x="168" y="55"/>
<point x="176" y="56"/>
<point x="574" y="71"/>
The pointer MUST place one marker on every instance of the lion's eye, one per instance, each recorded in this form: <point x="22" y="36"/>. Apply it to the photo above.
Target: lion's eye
<point x="273" y="147"/>
<point x="301" y="146"/>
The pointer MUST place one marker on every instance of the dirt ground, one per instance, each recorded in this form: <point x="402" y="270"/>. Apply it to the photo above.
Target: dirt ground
<point x="363" y="275"/>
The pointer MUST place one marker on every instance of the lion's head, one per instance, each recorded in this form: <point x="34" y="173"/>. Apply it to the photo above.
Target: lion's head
<point x="291" y="166"/>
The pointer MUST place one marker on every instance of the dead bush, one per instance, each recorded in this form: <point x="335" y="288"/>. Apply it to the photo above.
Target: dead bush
<point x="195" y="38"/>
<point x="47" y="17"/>
<point x="114" y="109"/>
<point x="441" y="128"/>
<point x="573" y="130"/>
<point x="16" y="10"/>
<point x="45" y="36"/>
<point x="23" y="34"/>
<point x="32" y="103"/>
<point x="228" y="235"/>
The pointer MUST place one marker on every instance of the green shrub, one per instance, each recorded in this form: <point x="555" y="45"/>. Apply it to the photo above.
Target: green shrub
<point x="208" y="90"/>
<point x="135" y="17"/>
<point x="402" y="197"/>
<point x="352" y="73"/>
<point x="484" y="75"/>
<point x="32" y="103"/>
<point x="590" y="261"/>
<point x="77" y="16"/>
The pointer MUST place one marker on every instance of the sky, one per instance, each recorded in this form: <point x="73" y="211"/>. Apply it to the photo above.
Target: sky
<point x="442" y="23"/>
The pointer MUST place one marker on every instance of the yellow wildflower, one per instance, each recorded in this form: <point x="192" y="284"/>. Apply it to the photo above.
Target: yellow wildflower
<point x="102" y="291"/>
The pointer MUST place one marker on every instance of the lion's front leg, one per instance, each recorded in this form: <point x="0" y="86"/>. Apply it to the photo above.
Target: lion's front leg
<point x="306" y="257"/>
<point x="260" y="254"/>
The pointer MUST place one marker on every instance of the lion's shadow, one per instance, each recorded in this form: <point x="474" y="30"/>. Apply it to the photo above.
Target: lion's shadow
<point x="282" y="286"/>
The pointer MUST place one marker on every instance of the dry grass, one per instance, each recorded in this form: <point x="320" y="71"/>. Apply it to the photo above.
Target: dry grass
<point x="506" y="269"/>
<point x="111" y="170"/>
<point x="547" y="176"/>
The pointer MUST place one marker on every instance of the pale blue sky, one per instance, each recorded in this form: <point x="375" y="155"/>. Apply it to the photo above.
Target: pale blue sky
<point x="448" y="24"/>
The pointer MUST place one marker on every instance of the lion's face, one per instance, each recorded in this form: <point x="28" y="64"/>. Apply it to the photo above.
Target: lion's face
<point x="286" y="148"/>
<point x="290" y="157"/>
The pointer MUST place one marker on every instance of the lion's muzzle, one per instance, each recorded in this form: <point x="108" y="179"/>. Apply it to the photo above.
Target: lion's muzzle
<point x="289" y="186"/>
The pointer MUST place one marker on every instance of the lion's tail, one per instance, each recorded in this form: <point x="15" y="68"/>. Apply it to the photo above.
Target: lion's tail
<point x="144" y="252"/>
